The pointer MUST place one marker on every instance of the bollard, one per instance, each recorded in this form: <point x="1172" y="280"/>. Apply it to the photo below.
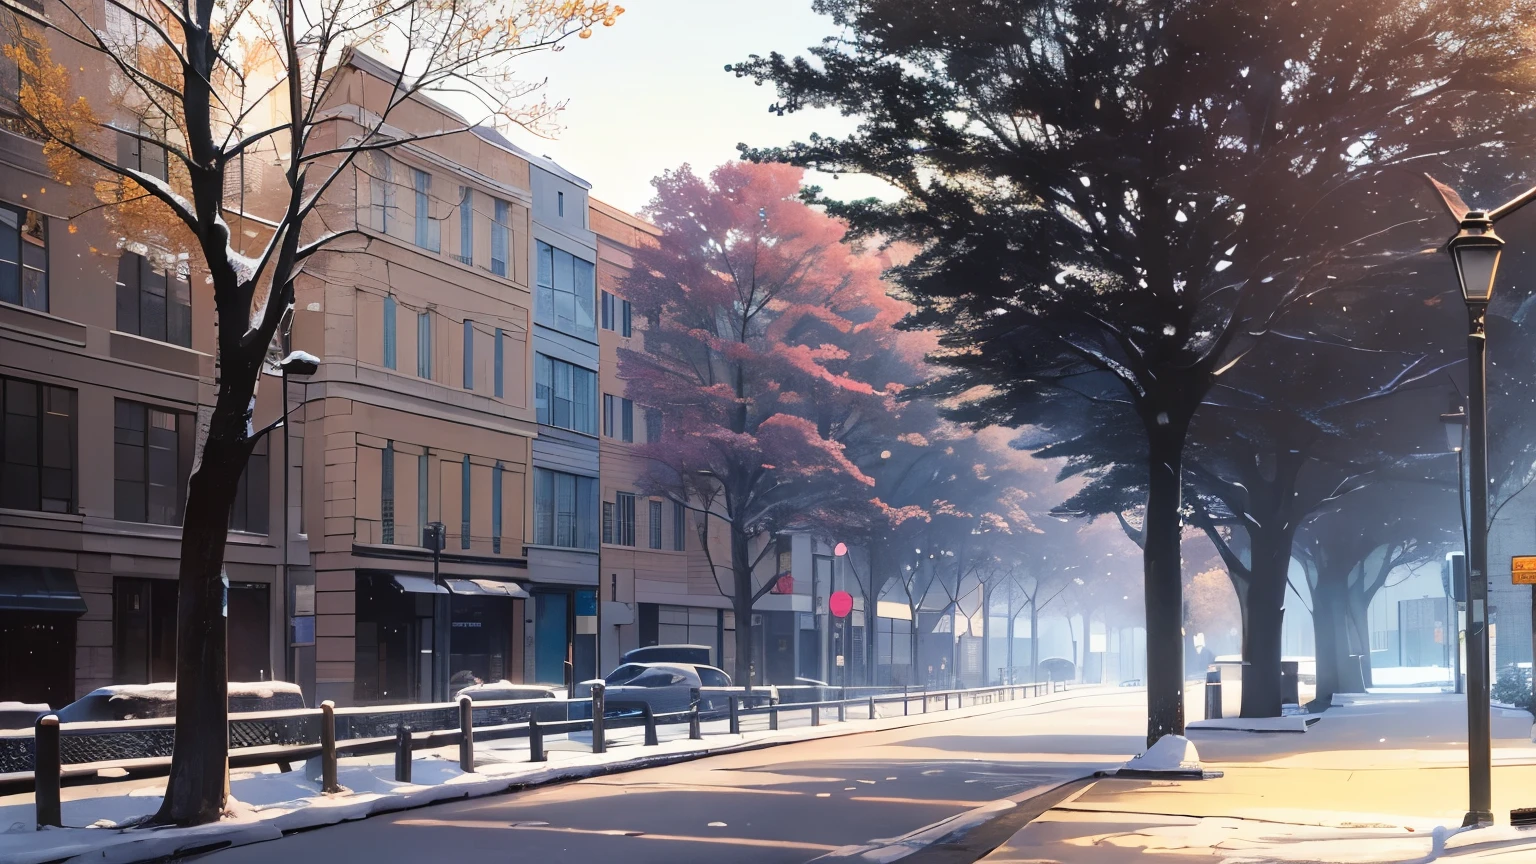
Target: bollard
<point x="599" y="722"/>
<point x="735" y="715"/>
<point x="842" y="711"/>
<point x="402" y="754"/>
<point x="773" y="716"/>
<point x="46" y="771"/>
<point x="695" y="733"/>
<point x="815" y="715"/>
<point x="466" y="735"/>
<point x="650" y="726"/>
<point x="872" y="708"/>
<point x="328" y="781"/>
<point x="535" y="741"/>
<point x="1213" y="694"/>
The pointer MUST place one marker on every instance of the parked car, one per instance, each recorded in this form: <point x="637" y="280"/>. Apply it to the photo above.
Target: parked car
<point x="695" y="655"/>
<point x="506" y="691"/>
<point x="709" y="676"/>
<point x="143" y="701"/>
<point x="666" y="687"/>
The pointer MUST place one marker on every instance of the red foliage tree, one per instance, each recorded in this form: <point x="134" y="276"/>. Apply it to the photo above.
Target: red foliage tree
<point x="760" y="327"/>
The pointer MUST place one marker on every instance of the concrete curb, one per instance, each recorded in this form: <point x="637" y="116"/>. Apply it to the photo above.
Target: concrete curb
<point x="163" y="844"/>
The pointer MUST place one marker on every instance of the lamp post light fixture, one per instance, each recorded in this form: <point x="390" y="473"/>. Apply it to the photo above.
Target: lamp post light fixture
<point x="1475" y="249"/>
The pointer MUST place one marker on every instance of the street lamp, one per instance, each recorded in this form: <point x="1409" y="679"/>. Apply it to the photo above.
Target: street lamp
<point x="1456" y="440"/>
<point x="1476" y="250"/>
<point x="433" y="536"/>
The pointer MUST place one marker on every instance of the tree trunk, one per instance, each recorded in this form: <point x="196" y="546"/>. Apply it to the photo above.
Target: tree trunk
<point x="1163" y="578"/>
<point x="1263" y="619"/>
<point x="986" y="638"/>
<point x="198" y="787"/>
<point x="1358" y="671"/>
<point x="916" y="666"/>
<point x="1034" y="638"/>
<point x="1328" y="627"/>
<point x="741" y="571"/>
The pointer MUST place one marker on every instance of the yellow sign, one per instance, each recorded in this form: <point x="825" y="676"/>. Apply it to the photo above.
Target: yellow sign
<point x="1522" y="569"/>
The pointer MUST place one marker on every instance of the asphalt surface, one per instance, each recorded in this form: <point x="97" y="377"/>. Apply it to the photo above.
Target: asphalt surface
<point x="790" y="803"/>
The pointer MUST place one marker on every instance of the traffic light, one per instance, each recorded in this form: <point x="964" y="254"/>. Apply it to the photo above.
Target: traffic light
<point x="1453" y="576"/>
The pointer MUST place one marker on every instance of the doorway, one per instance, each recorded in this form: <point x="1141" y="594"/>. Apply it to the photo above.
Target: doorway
<point x="143" y="630"/>
<point x="551" y="629"/>
<point x="250" y="631"/>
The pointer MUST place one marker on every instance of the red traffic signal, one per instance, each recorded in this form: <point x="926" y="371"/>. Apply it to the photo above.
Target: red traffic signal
<point x="841" y="603"/>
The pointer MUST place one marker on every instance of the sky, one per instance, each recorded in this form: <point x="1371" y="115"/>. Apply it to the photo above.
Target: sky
<point x="652" y="93"/>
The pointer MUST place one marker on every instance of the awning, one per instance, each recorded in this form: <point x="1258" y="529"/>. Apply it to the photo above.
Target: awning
<point x="487" y="588"/>
<point x="40" y="589"/>
<point x="418" y="584"/>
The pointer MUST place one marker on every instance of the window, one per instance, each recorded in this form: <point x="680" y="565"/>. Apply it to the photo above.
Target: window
<point x="652" y="425"/>
<point x="655" y="526"/>
<point x="428" y="230"/>
<point x="37" y="447"/>
<point x="249" y="513"/>
<point x="390" y="308"/>
<point x="23" y="257"/>
<point x="152" y="456"/>
<point x="424" y="345"/>
<point x="500" y="242"/>
<point x="565" y="395"/>
<point x="423" y="468"/>
<point x="564" y="507"/>
<point x="618" y="417"/>
<point x="560" y="203"/>
<point x="501" y="362"/>
<point x="469" y="354"/>
<point x="679" y="524"/>
<point x="566" y="291"/>
<point x="387" y="493"/>
<point x="381" y="189"/>
<point x="138" y="155"/>
<point x="465" y="502"/>
<point x="496" y="508"/>
<point x="153" y="303"/>
<point x="466" y="226"/>
<point x="616" y="314"/>
<point x="607" y="521"/>
<point x="624" y="518"/>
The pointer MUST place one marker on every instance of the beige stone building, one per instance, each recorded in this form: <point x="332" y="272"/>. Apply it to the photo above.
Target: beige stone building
<point x="105" y="362"/>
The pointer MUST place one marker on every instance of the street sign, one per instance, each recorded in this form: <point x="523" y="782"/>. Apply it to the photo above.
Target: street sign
<point x="1522" y="569"/>
<point x="841" y="603"/>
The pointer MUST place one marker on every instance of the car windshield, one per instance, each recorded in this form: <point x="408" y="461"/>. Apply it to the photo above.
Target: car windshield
<point x="710" y="677"/>
<point x="623" y="673"/>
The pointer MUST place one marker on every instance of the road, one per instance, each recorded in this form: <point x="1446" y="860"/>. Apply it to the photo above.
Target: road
<point x="781" y="804"/>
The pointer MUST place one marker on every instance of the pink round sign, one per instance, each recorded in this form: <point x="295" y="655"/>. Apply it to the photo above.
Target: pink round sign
<point x="841" y="603"/>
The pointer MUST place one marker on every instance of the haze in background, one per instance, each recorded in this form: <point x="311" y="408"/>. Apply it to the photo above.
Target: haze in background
<point x="651" y="93"/>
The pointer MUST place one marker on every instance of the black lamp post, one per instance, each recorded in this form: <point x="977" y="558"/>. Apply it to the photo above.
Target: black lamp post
<point x="1476" y="249"/>
<point x="434" y="537"/>
<point x="1456" y="439"/>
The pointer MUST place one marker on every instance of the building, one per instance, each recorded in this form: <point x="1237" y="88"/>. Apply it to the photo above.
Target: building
<point x="106" y="360"/>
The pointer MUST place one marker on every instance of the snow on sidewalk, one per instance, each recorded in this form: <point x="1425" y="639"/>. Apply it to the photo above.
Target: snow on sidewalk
<point x="266" y="804"/>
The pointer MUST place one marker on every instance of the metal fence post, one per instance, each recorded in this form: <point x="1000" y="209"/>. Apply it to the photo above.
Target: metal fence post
<point x="650" y="726"/>
<point x="46" y="771"/>
<point x="735" y="711"/>
<point x="402" y="754"/>
<point x="466" y="735"/>
<point x="599" y="708"/>
<point x="872" y="708"/>
<point x="535" y="741"/>
<point x="815" y="715"/>
<point x="695" y="733"/>
<point x="328" y="780"/>
<point x="842" y="710"/>
<point x="773" y="716"/>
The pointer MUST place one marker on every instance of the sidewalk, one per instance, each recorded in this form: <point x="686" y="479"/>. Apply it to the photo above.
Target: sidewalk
<point x="266" y="804"/>
<point x="1382" y="779"/>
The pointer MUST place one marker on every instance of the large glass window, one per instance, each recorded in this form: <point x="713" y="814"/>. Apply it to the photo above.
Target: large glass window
<point x="249" y="513"/>
<point x="424" y="345"/>
<point x="616" y="314"/>
<point x="652" y="425"/>
<point x="466" y="226"/>
<point x="153" y="303"/>
<point x="37" y="447"/>
<point x="654" y="514"/>
<point x="390" y="310"/>
<point x="501" y="245"/>
<point x="679" y="523"/>
<point x="565" y="395"/>
<point x="466" y="501"/>
<point x="564" y="509"/>
<point x="387" y="493"/>
<point x="381" y="190"/>
<point x="428" y="230"/>
<point x="496" y="476"/>
<point x="624" y="518"/>
<point x="469" y="354"/>
<point x="23" y="257"/>
<point x="151" y="461"/>
<point x="618" y="417"/>
<point x="501" y="363"/>
<point x="567" y="290"/>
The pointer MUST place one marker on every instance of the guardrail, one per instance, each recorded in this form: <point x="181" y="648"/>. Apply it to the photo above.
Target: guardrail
<point x="58" y="755"/>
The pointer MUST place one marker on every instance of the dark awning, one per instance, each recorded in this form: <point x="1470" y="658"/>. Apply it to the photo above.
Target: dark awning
<point x="39" y="589"/>
<point x="418" y="584"/>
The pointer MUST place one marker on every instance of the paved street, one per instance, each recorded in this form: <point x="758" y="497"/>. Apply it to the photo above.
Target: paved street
<point x="781" y="804"/>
